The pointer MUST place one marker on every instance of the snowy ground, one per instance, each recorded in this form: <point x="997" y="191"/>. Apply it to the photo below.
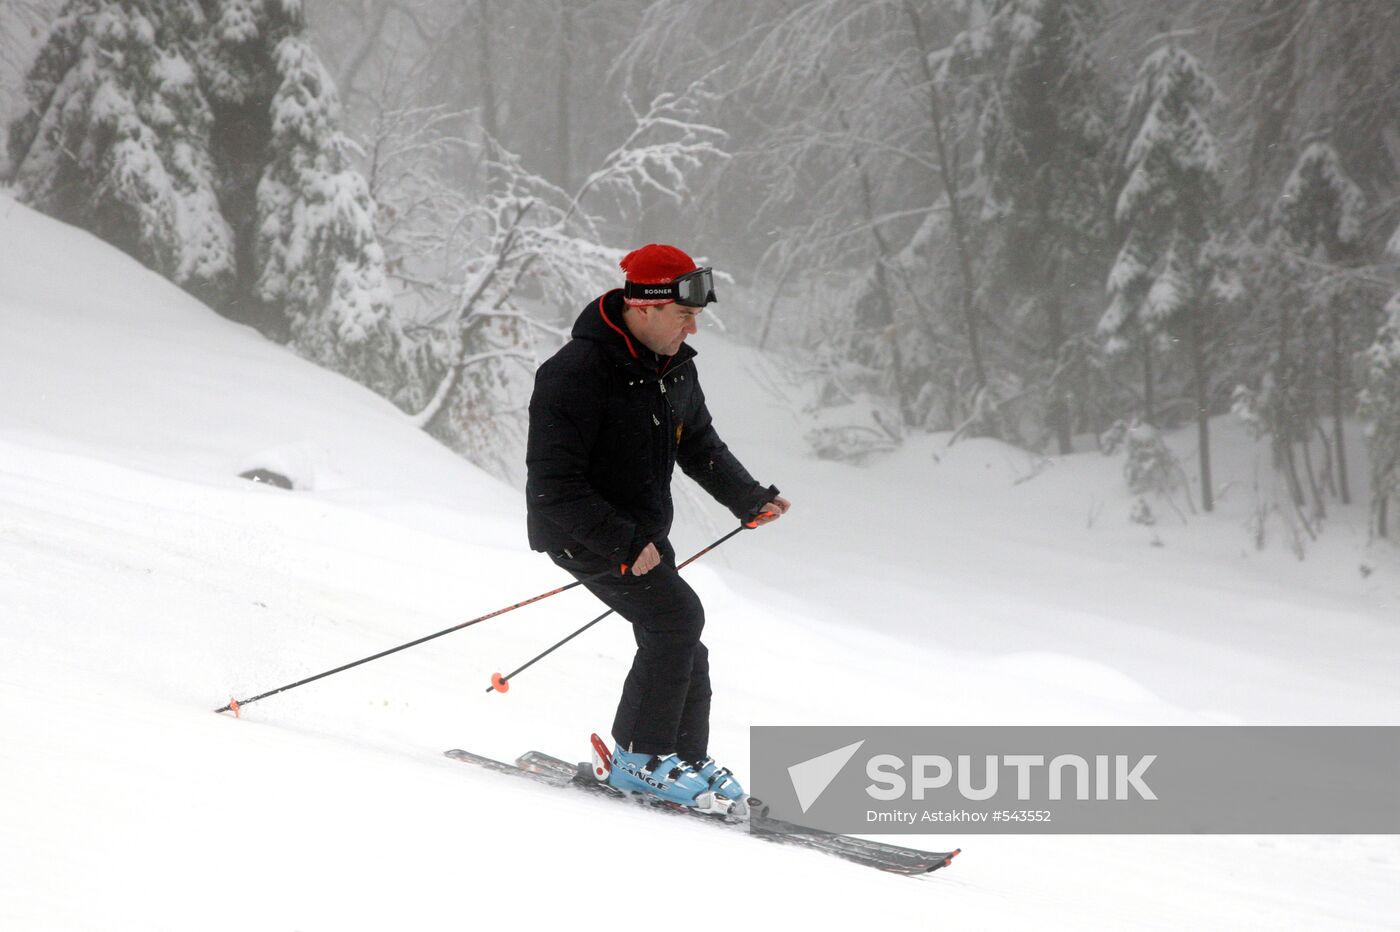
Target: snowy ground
<point x="142" y="585"/>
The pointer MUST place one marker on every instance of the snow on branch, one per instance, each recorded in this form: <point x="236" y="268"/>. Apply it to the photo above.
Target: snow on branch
<point x="523" y="240"/>
<point x="667" y="144"/>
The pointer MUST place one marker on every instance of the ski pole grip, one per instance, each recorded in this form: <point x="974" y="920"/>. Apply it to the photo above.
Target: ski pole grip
<point x="772" y="493"/>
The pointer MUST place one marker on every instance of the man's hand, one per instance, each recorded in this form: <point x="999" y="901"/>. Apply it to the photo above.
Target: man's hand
<point x="772" y="511"/>
<point x="646" y="560"/>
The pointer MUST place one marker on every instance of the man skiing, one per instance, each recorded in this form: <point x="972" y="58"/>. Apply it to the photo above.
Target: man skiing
<point x="612" y="413"/>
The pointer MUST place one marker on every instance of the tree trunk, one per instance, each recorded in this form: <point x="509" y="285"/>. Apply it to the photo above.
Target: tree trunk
<point x="882" y="286"/>
<point x="1319" y="500"/>
<point x="1198" y="364"/>
<point x="882" y="254"/>
<point x="1309" y="415"/>
<point x="1149" y="403"/>
<point x="370" y="39"/>
<point x="1288" y="465"/>
<point x="1339" y="375"/>
<point x="1284" y="459"/>
<point x="239" y="140"/>
<point x="950" y="188"/>
<point x="1059" y="404"/>
<point x="967" y="286"/>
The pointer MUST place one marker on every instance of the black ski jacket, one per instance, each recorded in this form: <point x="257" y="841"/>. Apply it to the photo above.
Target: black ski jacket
<point x="609" y="420"/>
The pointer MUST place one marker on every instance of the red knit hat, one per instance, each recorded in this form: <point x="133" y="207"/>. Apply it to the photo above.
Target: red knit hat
<point x="655" y="264"/>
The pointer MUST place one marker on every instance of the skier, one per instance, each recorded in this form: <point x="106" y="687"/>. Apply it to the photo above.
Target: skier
<point x="612" y="413"/>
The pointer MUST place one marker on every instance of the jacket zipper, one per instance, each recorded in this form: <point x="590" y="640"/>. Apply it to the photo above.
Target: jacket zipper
<point x="664" y="447"/>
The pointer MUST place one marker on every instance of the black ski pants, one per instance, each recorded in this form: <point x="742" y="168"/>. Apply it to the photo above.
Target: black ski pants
<point x="665" y="703"/>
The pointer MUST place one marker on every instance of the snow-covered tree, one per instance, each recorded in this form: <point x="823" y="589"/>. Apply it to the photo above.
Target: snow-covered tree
<point x="1380" y="408"/>
<point x="1319" y="217"/>
<point x="1320" y="209"/>
<point x="311" y="268"/>
<point x="202" y="137"/>
<point x="1042" y="133"/>
<point x="1299" y="70"/>
<point x="842" y="169"/>
<point x="1166" y="272"/>
<point x="317" y="253"/>
<point x="115" y="138"/>
<point x="234" y="53"/>
<point x="1274" y="398"/>
<point x="494" y="271"/>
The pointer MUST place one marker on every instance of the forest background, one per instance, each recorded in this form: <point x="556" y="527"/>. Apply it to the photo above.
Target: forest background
<point x="1060" y="223"/>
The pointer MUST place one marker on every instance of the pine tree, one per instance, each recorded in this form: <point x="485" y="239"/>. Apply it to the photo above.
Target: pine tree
<point x="311" y="268"/>
<point x="1042" y="134"/>
<point x="1168" y="209"/>
<point x="115" y="139"/>
<point x="317" y="254"/>
<point x="1380" y="408"/>
<point x="1298" y="69"/>
<point x="239" y="77"/>
<point x="1124" y="325"/>
<point x="1319" y="218"/>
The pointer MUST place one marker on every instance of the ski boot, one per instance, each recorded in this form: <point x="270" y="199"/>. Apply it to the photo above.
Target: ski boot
<point x="725" y="786"/>
<point x="665" y="777"/>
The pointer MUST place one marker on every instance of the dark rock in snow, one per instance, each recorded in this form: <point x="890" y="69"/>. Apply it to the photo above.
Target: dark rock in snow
<point x="267" y="476"/>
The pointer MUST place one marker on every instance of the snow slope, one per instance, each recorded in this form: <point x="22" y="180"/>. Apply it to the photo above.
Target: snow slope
<point x="142" y="584"/>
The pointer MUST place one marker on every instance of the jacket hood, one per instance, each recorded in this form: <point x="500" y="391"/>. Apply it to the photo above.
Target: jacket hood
<point x="601" y="322"/>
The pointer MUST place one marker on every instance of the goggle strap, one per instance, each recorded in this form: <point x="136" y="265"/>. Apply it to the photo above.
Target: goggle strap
<point x="654" y="292"/>
<point x="671" y="291"/>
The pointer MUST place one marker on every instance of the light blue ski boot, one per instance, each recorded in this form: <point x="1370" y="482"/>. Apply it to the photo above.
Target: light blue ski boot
<point x="664" y="776"/>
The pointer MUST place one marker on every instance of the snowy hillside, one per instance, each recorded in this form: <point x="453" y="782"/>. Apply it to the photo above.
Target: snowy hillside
<point x="142" y="584"/>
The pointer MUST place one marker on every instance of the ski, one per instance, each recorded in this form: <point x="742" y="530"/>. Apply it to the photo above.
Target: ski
<point x="552" y="771"/>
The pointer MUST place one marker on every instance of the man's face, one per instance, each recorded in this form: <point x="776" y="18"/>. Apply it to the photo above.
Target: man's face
<point x="664" y="327"/>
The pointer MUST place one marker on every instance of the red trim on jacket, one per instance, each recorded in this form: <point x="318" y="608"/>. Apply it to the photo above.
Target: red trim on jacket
<point x="606" y="320"/>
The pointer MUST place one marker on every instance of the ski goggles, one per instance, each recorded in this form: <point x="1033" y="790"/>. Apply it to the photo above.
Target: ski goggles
<point x="693" y="289"/>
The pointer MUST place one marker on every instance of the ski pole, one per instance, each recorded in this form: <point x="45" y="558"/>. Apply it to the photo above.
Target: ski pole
<point x="234" y="705"/>
<point x="502" y="683"/>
